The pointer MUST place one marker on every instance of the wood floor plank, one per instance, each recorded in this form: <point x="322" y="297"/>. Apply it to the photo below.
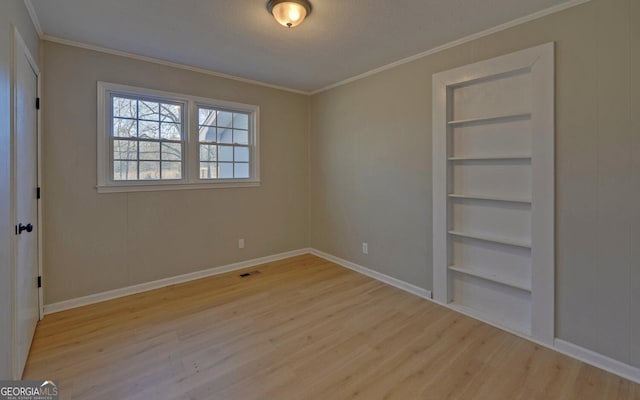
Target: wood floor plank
<point x="304" y="328"/>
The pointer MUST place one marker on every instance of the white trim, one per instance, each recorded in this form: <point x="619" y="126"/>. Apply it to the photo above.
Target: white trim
<point x="439" y="191"/>
<point x="569" y="349"/>
<point x="13" y="276"/>
<point x="40" y="200"/>
<point x="407" y="287"/>
<point x="144" y="287"/>
<point x="478" y="35"/>
<point x="543" y="194"/>
<point x="598" y="360"/>
<point x="166" y="63"/>
<point x="418" y="291"/>
<point x="18" y="42"/>
<point x="539" y="61"/>
<point x="559" y="345"/>
<point x="34" y="17"/>
<point x="159" y="186"/>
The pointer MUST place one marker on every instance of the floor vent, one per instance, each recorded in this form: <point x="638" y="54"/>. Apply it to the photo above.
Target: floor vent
<point x="247" y="274"/>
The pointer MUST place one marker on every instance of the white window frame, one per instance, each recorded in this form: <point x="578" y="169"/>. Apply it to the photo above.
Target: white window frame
<point x="190" y="156"/>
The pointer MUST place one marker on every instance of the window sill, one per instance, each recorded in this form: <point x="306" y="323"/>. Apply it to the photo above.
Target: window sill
<point x="175" y="186"/>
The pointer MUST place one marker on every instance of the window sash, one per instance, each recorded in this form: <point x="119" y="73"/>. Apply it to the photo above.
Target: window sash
<point x="138" y="159"/>
<point x="233" y="144"/>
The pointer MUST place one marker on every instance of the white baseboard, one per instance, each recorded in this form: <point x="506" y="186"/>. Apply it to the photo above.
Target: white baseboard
<point x="408" y="287"/>
<point x="559" y="345"/>
<point x="598" y="360"/>
<point x="564" y="347"/>
<point x="143" y="287"/>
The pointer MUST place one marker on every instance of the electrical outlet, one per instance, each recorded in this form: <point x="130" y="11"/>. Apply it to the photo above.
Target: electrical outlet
<point x="365" y="248"/>
<point x="241" y="243"/>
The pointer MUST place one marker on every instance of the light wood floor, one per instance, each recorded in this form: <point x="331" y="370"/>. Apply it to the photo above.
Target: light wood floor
<point x="302" y="329"/>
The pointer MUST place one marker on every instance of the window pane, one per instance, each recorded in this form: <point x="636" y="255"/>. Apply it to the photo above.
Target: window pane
<point x="171" y="170"/>
<point x="149" y="151"/>
<point x="241" y="170"/>
<point x="241" y="154"/>
<point x="206" y="117"/>
<point x="125" y="170"/>
<point x="125" y="150"/>
<point x="225" y="135"/>
<point x="240" y="121"/>
<point x="172" y="151"/>
<point x="224" y="119"/>
<point x="240" y="137"/>
<point x="149" y="170"/>
<point x="208" y="170"/>
<point x="125" y="108"/>
<point x="124" y="127"/>
<point x="207" y="153"/>
<point x="225" y="153"/>
<point x="225" y="170"/>
<point x="171" y="113"/>
<point x="149" y="110"/>
<point x="149" y="130"/>
<point x="207" y="134"/>
<point x="170" y="131"/>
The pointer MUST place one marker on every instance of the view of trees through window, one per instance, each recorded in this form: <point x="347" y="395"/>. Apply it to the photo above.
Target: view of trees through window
<point x="224" y="144"/>
<point x="154" y="140"/>
<point x="147" y="139"/>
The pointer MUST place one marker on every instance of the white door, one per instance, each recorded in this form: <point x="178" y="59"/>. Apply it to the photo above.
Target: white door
<point x="26" y="203"/>
<point x="493" y="190"/>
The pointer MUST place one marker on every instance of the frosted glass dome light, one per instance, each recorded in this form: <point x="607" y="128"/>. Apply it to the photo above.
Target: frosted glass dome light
<point x="289" y="13"/>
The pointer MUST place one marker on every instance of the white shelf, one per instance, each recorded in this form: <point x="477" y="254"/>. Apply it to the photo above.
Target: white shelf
<point x="491" y="158"/>
<point x="526" y="286"/>
<point x="518" y="327"/>
<point x="489" y="198"/>
<point x="488" y="120"/>
<point x="508" y="242"/>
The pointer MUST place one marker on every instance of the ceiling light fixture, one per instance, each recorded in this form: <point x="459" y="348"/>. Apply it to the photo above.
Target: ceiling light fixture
<point x="289" y="13"/>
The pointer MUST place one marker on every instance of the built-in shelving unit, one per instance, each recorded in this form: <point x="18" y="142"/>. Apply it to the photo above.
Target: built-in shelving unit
<point x="490" y="119"/>
<point x="519" y="327"/>
<point x="492" y="163"/>
<point x="489" y="238"/>
<point x="525" y="285"/>
<point x="489" y="198"/>
<point x="491" y="157"/>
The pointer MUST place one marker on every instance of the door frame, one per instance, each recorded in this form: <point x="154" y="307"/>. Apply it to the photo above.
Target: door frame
<point x="540" y="61"/>
<point x="19" y="45"/>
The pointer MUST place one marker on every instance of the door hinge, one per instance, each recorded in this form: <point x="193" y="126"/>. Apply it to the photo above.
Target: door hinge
<point x="16" y="229"/>
<point x="38" y="192"/>
<point x="39" y="281"/>
<point x="37" y="103"/>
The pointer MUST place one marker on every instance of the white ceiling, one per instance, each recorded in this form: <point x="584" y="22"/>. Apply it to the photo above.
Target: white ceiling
<point x="339" y="40"/>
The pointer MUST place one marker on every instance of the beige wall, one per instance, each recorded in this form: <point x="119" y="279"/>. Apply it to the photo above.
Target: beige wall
<point x="364" y="175"/>
<point x="371" y="168"/>
<point x="12" y="12"/>
<point x="97" y="242"/>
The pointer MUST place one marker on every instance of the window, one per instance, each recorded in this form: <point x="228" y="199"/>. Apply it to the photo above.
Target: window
<point x="151" y="140"/>
<point x="224" y="143"/>
<point x="146" y="138"/>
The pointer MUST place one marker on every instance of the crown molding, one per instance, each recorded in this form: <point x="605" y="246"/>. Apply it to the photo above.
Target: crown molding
<point x="107" y="50"/>
<point x="34" y="17"/>
<point x="486" y="32"/>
